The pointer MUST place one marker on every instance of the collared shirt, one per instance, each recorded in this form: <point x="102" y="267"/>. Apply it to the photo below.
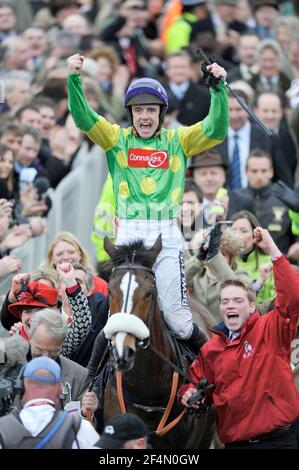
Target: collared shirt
<point x="248" y="72"/>
<point x="179" y="89"/>
<point x="269" y="83"/>
<point x="233" y="335"/>
<point x="244" y="148"/>
<point x="219" y="25"/>
<point x="36" y="417"/>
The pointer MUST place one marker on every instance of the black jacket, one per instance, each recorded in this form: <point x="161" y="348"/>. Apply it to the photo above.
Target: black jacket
<point x="272" y="214"/>
<point x="239" y="202"/>
<point x="193" y="107"/>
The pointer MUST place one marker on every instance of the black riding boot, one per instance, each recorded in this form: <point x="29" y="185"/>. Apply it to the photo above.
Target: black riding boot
<point x="100" y="348"/>
<point x="197" y="339"/>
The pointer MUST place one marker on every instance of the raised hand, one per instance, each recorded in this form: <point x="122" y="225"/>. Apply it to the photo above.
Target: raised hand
<point x="75" y="63"/>
<point x="17" y="283"/>
<point x="265" y="271"/>
<point x="6" y="207"/>
<point x="67" y="274"/>
<point x="214" y="243"/>
<point x="17" y="237"/>
<point x="217" y="71"/>
<point x="9" y="264"/>
<point x="16" y="327"/>
<point x="265" y="242"/>
<point x="286" y="195"/>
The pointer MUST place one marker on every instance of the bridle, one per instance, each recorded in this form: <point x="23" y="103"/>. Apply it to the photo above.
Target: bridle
<point x="146" y="343"/>
<point x="162" y="428"/>
<point x="130" y="266"/>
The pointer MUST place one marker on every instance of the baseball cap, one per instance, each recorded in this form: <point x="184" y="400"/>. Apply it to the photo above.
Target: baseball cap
<point x="43" y="363"/>
<point x="121" y="428"/>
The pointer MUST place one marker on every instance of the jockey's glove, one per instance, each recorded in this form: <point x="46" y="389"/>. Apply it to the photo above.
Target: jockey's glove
<point x="208" y="78"/>
<point x="214" y="242"/>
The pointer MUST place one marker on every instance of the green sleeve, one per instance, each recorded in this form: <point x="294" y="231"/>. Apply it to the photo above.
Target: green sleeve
<point x="216" y="124"/>
<point x="212" y="130"/>
<point x="84" y="117"/>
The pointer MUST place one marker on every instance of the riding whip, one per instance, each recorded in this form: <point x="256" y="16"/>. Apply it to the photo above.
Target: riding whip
<point x="241" y="102"/>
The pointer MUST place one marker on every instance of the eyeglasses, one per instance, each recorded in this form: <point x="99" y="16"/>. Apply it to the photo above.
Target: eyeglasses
<point x="46" y="352"/>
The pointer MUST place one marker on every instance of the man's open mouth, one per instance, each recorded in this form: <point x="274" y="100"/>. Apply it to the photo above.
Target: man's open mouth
<point x="232" y="319"/>
<point x="232" y="315"/>
<point x="145" y="126"/>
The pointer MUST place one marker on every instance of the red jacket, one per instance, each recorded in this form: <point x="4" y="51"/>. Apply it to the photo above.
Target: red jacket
<point x="254" y="389"/>
<point x="100" y="285"/>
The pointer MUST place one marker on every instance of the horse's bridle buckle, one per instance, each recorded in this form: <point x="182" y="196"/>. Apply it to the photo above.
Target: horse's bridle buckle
<point x="144" y="343"/>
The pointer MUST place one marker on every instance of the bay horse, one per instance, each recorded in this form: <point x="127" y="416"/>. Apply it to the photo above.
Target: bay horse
<point x="143" y="381"/>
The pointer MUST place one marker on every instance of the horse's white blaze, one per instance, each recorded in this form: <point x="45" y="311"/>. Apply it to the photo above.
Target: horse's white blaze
<point x="119" y="343"/>
<point x="128" y="292"/>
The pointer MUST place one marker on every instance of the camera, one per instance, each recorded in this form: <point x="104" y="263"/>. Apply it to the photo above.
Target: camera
<point x="10" y="386"/>
<point x="42" y="185"/>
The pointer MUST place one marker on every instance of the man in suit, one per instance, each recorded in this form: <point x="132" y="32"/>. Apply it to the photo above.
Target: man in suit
<point x="246" y="50"/>
<point x="208" y="171"/>
<point x="271" y="76"/>
<point x="243" y="136"/>
<point x="269" y="108"/>
<point x="272" y="212"/>
<point x="192" y="101"/>
<point x="265" y="12"/>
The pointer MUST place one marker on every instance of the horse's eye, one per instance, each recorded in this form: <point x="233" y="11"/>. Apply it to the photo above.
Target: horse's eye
<point x="148" y="295"/>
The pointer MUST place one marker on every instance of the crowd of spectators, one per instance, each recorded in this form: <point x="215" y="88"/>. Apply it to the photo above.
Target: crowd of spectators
<point x="257" y="41"/>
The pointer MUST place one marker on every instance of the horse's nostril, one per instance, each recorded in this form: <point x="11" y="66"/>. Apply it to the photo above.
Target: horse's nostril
<point x="129" y="354"/>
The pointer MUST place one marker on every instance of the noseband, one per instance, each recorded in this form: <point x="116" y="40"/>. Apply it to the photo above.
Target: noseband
<point x="129" y="266"/>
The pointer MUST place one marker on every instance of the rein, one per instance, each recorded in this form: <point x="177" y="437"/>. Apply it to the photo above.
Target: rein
<point x="171" y="364"/>
<point x="162" y="427"/>
<point x="151" y="346"/>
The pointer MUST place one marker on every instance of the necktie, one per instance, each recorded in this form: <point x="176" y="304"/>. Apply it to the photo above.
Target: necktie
<point x="269" y="83"/>
<point x="235" y="172"/>
<point x="233" y="335"/>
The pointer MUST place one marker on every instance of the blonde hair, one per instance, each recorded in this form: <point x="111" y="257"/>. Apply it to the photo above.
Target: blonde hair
<point x="70" y="238"/>
<point x="231" y="243"/>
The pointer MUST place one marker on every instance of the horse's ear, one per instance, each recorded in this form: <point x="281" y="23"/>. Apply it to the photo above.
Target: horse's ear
<point x="157" y="246"/>
<point x="109" y="247"/>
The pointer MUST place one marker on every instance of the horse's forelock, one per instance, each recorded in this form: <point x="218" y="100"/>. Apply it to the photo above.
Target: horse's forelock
<point x="134" y="252"/>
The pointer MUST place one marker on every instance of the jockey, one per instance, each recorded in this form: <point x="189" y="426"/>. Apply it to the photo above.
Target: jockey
<point x="148" y="163"/>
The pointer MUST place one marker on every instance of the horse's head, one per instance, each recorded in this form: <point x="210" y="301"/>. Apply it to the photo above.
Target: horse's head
<point x="132" y="292"/>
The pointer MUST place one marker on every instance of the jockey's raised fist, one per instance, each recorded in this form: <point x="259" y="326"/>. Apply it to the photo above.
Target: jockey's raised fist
<point x="75" y="63"/>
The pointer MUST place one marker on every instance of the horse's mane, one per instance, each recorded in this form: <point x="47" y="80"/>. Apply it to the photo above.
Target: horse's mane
<point x="133" y="252"/>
